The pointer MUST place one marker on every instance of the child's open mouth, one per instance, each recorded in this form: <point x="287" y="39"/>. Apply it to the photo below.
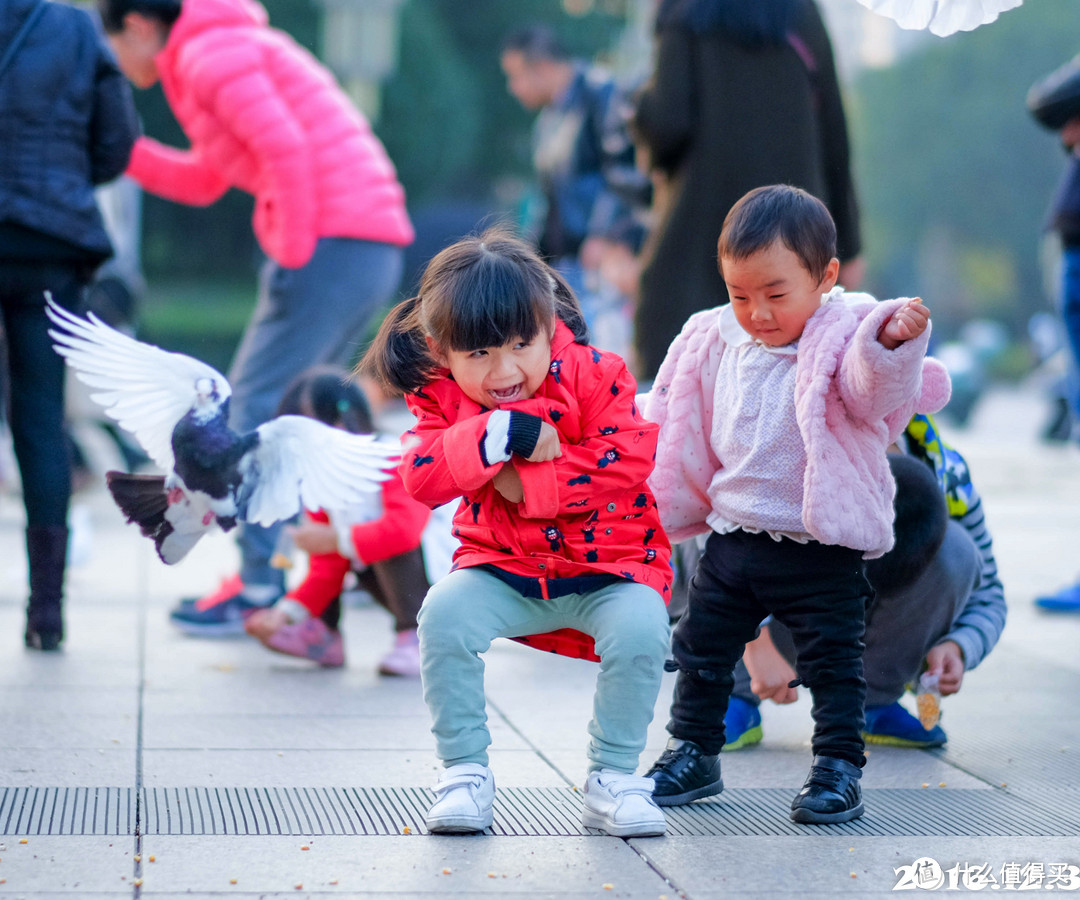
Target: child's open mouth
<point x="505" y="395"/>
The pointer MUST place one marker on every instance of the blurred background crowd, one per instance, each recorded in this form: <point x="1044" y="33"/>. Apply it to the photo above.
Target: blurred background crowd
<point x="953" y="190"/>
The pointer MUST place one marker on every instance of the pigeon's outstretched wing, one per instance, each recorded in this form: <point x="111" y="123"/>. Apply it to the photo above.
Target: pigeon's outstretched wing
<point x="302" y="462"/>
<point x="942" y="17"/>
<point x="144" y="388"/>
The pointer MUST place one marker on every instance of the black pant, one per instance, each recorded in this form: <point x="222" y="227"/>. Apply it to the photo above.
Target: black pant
<point x="36" y="383"/>
<point x="818" y="591"/>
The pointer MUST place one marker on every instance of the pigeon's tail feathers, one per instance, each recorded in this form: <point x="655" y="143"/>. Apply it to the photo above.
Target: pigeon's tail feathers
<point x="142" y="498"/>
<point x="145" y="501"/>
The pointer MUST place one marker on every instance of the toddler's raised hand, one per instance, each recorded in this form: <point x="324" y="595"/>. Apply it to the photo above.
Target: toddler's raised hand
<point x="908" y="322"/>
<point x="547" y="445"/>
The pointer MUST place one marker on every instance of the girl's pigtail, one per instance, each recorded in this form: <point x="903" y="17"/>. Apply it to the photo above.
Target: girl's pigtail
<point x="399" y="357"/>
<point x="568" y="309"/>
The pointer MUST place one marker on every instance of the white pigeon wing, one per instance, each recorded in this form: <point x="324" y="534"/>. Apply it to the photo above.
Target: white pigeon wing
<point x="144" y="388"/>
<point x="302" y="463"/>
<point x="942" y="17"/>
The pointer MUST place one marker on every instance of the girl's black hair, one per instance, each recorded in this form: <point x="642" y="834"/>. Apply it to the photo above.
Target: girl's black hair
<point x="780" y="212"/>
<point x="113" y="11"/>
<point x="752" y="23"/>
<point x="479" y="292"/>
<point x="329" y="394"/>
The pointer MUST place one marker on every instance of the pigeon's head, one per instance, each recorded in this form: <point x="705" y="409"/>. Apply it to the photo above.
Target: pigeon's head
<point x="207" y="396"/>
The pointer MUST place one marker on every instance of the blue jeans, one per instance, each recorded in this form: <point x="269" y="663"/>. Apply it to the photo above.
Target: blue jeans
<point x="465" y="611"/>
<point x="1070" y="313"/>
<point x="36" y="374"/>
<point x="317" y="314"/>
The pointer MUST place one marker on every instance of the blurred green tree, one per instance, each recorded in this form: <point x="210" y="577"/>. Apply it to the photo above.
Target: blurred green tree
<point x="955" y="176"/>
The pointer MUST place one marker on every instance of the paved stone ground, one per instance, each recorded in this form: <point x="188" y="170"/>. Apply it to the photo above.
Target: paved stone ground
<point x="138" y="762"/>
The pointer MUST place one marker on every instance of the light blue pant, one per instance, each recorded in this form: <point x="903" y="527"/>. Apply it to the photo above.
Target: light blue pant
<point x="317" y="314"/>
<point x="465" y="611"/>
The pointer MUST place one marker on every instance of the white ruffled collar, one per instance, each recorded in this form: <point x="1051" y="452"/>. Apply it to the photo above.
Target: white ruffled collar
<point x="734" y="335"/>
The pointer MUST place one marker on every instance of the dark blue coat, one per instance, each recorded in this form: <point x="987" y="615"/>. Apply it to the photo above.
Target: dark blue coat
<point x="67" y="123"/>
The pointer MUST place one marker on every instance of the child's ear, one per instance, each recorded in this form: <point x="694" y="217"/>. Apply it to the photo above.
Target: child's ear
<point x="436" y="352"/>
<point x="832" y="272"/>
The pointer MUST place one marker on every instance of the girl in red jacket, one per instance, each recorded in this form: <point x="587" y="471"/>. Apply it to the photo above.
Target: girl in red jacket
<point x="380" y="542"/>
<point x="539" y="435"/>
<point x="262" y="114"/>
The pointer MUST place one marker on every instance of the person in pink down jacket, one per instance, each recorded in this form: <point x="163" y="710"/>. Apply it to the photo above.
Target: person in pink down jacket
<point x="775" y="415"/>
<point x="261" y="114"/>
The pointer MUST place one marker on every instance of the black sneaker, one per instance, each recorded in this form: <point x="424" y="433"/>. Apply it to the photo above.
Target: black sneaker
<point x="830" y="794"/>
<point x="684" y="773"/>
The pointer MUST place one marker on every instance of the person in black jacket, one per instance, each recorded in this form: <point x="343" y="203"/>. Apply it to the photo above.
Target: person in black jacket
<point x="743" y="94"/>
<point x="69" y="124"/>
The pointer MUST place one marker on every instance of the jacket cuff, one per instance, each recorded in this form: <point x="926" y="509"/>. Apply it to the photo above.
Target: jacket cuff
<point x="970" y="646"/>
<point x="524" y="433"/>
<point x="541" y="489"/>
<point x="294" y="609"/>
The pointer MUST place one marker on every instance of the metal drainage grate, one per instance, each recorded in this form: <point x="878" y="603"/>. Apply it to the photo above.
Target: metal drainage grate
<point x="518" y="811"/>
<point x="96" y="810"/>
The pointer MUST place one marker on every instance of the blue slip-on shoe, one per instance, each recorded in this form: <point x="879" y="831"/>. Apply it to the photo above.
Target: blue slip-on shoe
<point x="1065" y="600"/>
<point x="893" y="726"/>
<point x="742" y="725"/>
<point x="220" y="614"/>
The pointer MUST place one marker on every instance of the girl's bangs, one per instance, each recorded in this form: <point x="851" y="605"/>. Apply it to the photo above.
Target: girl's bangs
<point x="494" y="311"/>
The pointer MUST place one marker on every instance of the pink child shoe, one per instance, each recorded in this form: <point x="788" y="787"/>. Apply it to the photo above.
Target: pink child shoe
<point x="310" y="639"/>
<point x="404" y="659"/>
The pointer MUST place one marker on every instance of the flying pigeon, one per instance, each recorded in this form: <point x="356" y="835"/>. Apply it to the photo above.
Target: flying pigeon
<point x="942" y="17"/>
<point x="177" y="408"/>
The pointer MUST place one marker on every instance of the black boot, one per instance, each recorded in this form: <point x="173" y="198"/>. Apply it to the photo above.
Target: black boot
<point x="830" y="794"/>
<point x="684" y="772"/>
<point x="46" y="552"/>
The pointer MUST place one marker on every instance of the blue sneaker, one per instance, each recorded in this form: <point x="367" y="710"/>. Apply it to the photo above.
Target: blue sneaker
<point x="893" y="726"/>
<point x="742" y="725"/>
<point x="1065" y="600"/>
<point x="219" y="614"/>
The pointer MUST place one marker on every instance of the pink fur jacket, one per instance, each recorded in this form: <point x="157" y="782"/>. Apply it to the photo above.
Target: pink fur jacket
<point x="852" y="399"/>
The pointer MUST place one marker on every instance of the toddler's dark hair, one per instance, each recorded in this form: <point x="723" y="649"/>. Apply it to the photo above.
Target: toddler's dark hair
<point x="785" y="213"/>
<point x="329" y="394"/>
<point x="113" y="11"/>
<point x="479" y="292"/>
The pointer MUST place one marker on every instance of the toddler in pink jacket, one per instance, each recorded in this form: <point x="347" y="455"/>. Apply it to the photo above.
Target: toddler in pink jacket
<point x="263" y="115"/>
<point x="775" y="413"/>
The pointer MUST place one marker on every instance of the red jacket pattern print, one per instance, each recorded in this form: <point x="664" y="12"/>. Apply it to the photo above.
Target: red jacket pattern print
<point x="588" y="512"/>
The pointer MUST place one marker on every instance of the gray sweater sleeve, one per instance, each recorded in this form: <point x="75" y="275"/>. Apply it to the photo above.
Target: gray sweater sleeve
<point x="979" y="625"/>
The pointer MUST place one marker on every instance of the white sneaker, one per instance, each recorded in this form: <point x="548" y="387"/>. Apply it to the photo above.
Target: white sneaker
<point x="464" y="796"/>
<point x="622" y="805"/>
